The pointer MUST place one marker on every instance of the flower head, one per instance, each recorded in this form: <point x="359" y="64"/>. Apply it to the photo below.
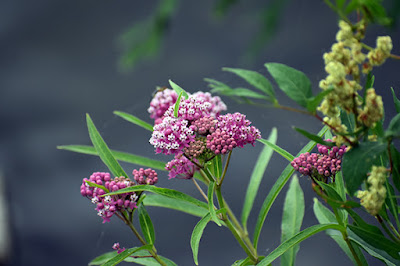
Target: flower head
<point x="160" y="103"/>
<point x="181" y="167"/>
<point x="145" y="176"/>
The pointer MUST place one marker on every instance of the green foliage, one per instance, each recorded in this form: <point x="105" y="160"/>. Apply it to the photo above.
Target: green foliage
<point x="296" y="239"/>
<point x="133" y="119"/>
<point x="293" y="213"/>
<point x="394" y="127"/>
<point x="140" y="258"/>
<point x="102" y="149"/>
<point x="396" y="101"/>
<point x="292" y="82"/>
<point x="313" y="137"/>
<point x="177" y="103"/>
<point x="213" y="215"/>
<point x="178" y="89"/>
<point x="118" y="155"/>
<point x="196" y="236"/>
<point x="284" y="153"/>
<point x="222" y="6"/>
<point x="358" y="161"/>
<point x="256" y="177"/>
<point x="146" y="225"/>
<point x="313" y="102"/>
<point x="113" y="258"/>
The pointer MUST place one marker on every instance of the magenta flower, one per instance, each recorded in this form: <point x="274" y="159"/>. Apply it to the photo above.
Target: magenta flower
<point x="117" y="247"/>
<point x="181" y="167"/>
<point x="145" y="176"/>
<point x="217" y="105"/>
<point x="171" y="135"/>
<point x="160" y="103"/>
<point x="107" y="206"/>
<point x="191" y="109"/>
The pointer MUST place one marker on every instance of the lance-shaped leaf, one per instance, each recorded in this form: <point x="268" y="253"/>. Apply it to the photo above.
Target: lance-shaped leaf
<point x="292" y="82"/>
<point x="177" y="103"/>
<point x="133" y="119"/>
<point x="284" y="153"/>
<point x="293" y="213"/>
<point x="178" y="89"/>
<point x="313" y="102"/>
<point x="306" y="233"/>
<point x="358" y="161"/>
<point x="196" y="236"/>
<point x="394" y="127"/>
<point x="256" y="177"/>
<point x="142" y="258"/>
<point x="146" y="225"/>
<point x="157" y="200"/>
<point x="162" y="191"/>
<point x="396" y="101"/>
<point x="102" y="149"/>
<point x="276" y="189"/>
<point x="324" y="215"/>
<point x="211" y="209"/>
<point x="118" y="155"/>
<point x="255" y="79"/>
<point x="113" y="258"/>
<point x="313" y="137"/>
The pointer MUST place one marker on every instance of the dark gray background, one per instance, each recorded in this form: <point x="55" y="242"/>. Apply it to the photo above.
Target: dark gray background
<point x="58" y="61"/>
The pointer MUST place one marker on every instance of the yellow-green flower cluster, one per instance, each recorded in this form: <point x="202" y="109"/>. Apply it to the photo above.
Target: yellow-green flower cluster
<point x="373" y="109"/>
<point x="373" y="198"/>
<point x="378" y="56"/>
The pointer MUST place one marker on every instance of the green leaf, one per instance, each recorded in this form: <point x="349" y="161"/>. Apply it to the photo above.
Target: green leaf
<point x="313" y="137"/>
<point x="211" y="209"/>
<point x="120" y="156"/>
<point x="103" y="258"/>
<point x="162" y="191"/>
<point x="256" y="177"/>
<point x="146" y="225"/>
<point x="103" y="150"/>
<point x="178" y="89"/>
<point x="177" y="103"/>
<point x="134" y="120"/>
<point x="222" y="6"/>
<point x="358" y="161"/>
<point x="347" y="120"/>
<point x="396" y="167"/>
<point x="276" y="189"/>
<point x="217" y="166"/>
<point x="292" y="82"/>
<point x="396" y="101"/>
<point x="313" y="102"/>
<point x="91" y="184"/>
<point x="148" y="261"/>
<point x="285" y="154"/>
<point x="339" y="185"/>
<point x="306" y="233"/>
<point x="255" y="79"/>
<point x="377" y="241"/>
<point x="123" y="255"/>
<point x="293" y="213"/>
<point x="241" y="92"/>
<point x="196" y="236"/>
<point x="394" y="127"/>
<point x="358" y="221"/>
<point x="324" y="216"/>
<point x="157" y="200"/>
<point x="217" y="86"/>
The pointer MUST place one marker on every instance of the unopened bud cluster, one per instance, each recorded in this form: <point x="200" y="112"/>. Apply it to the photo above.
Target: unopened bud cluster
<point x="373" y="198"/>
<point x="344" y="64"/>
<point x="322" y="165"/>
<point x="145" y="176"/>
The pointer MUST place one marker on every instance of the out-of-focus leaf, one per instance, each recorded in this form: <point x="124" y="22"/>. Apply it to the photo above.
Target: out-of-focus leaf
<point x="394" y="127"/>
<point x="146" y="225"/>
<point x="347" y="120"/>
<point x="293" y="213"/>
<point x="196" y="236"/>
<point x="294" y="83"/>
<point x="222" y="6"/>
<point x="306" y="233"/>
<point x="396" y="100"/>
<point x="133" y="119"/>
<point x="119" y="155"/>
<point x="102" y="149"/>
<point x="276" y="189"/>
<point x="358" y="161"/>
<point x="255" y="79"/>
<point x="313" y="102"/>
<point x="374" y="10"/>
<point x="396" y="167"/>
<point x="157" y="200"/>
<point x="256" y="177"/>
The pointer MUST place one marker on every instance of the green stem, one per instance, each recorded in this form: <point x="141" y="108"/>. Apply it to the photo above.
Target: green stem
<point x="225" y="168"/>
<point x="153" y="251"/>
<point x="390" y="234"/>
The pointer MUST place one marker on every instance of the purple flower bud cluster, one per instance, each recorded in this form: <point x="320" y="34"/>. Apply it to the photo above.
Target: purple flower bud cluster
<point x="238" y="127"/>
<point x="191" y="109"/>
<point x="324" y="164"/>
<point x="220" y="142"/>
<point x="106" y="206"/>
<point x="172" y="135"/>
<point x="161" y="102"/>
<point x="118" y="248"/>
<point x="204" y="125"/>
<point x="181" y="167"/>
<point x="217" y="105"/>
<point x="145" y="176"/>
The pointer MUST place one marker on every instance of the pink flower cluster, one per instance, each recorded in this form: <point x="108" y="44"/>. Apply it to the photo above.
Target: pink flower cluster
<point x="107" y="206"/>
<point x="320" y="165"/>
<point x="118" y="248"/>
<point x="145" y="176"/>
<point x="160" y="103"/>
<point x="199" y="132"/>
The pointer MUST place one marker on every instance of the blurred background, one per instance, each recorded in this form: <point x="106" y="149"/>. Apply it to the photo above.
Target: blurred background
<point x="62" y="59"/>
